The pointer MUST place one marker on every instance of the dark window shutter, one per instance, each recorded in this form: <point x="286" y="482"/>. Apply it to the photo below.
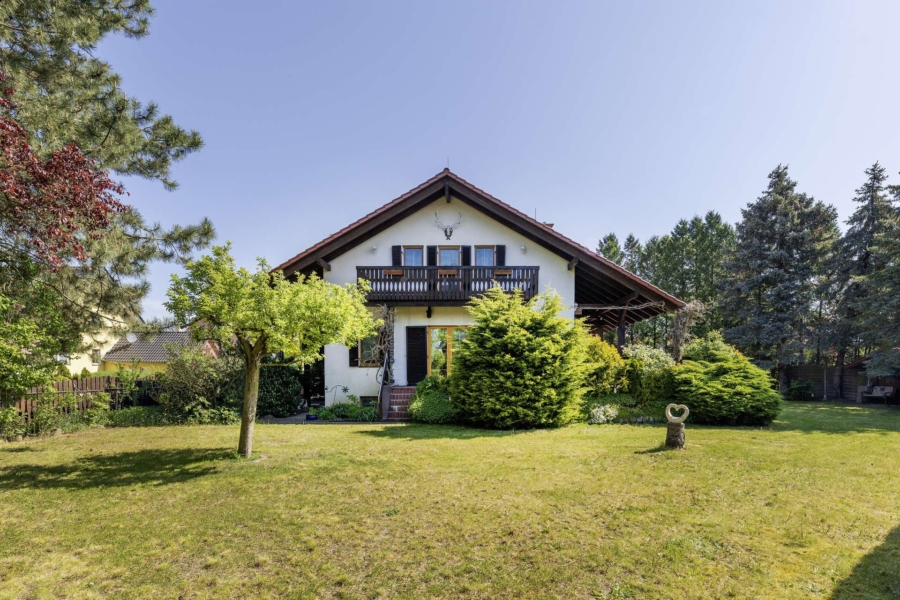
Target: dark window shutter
<point x="501" y="256"/>
<point x="396" y="259"/>
<point x="354" y="355"/>
<point x="416" y="354"/>
<point x="466" y="256"/>
<point x="432" y="255"/>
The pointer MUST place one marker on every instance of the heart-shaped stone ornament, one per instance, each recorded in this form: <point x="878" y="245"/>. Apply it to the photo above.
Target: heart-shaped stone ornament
<point x="677" y="407"/>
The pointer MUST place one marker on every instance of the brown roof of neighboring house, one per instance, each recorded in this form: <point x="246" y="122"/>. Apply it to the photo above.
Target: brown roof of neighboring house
<point x="601" y="280"/>
<point x="146" y="349"/>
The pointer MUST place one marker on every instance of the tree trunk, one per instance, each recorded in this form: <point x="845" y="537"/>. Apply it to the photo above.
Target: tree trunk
<point x="782" y="378"/>
<point x="251" y="395"/>
<point x="839" y="373"/>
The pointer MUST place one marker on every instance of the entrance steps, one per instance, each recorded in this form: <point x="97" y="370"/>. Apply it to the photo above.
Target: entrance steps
<point x="398" y="404"/>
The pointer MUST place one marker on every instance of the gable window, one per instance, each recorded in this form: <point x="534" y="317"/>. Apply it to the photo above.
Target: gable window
<point x="448" y="256"/>
<point x="95" y="356"/>
<point x="413" y="256"/>
<point x="484" y="256"/>
<point x="369" y="355"/>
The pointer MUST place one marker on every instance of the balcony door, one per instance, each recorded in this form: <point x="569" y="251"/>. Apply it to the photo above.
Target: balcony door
<point x="441" y="342"/>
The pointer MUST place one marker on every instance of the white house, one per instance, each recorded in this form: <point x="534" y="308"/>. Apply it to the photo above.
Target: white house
<point x="427" y="253"/>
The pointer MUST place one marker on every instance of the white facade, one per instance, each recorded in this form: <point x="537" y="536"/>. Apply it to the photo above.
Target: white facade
<point x="419" y="229"/>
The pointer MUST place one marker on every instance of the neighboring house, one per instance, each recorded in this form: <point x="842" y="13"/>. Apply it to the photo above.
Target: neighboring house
<point x="150" y="352"/>
<point x="97" y="344"/>
<point x="429" y="251"/>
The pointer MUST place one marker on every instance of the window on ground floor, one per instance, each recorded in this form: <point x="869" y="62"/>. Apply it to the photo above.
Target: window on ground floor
<point x="370" y="352"/>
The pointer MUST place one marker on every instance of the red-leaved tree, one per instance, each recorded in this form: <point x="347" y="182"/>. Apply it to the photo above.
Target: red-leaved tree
<point x="48" y="207"/>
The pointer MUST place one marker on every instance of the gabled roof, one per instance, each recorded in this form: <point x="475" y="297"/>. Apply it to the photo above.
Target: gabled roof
<point x="598" y="281"/>
<point x="146" y="349"/>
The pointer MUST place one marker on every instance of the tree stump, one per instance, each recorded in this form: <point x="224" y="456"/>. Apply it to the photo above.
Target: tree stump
<point x="675" y="435"/>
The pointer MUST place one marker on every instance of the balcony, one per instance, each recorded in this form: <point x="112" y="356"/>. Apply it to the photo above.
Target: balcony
<point x="447" y="286"/>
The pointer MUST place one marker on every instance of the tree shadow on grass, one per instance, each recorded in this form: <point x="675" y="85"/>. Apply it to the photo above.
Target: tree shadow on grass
<point x="877" y="575"/>
<point x="143" y="467"/>
<point x="418" y="431"/>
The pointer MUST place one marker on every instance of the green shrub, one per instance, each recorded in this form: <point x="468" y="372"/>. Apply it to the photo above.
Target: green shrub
<point x="346" y="411"/>
<point x="431" y="404"/>
<point x="799" y="391"/>
<point x="604" y="367"/>
<point x="12" y="426"/>
<point x="722" y="387"/>
<point x="605" y="413"/>
<point x="97" y="414"/>
<point x="199" y="388"/>
<point x="627" y="406"/>
<point x="649" y="373"/>
<point x="54" y="411"/>
<point x="521" y="364"/>
<point x="280" y="389"/>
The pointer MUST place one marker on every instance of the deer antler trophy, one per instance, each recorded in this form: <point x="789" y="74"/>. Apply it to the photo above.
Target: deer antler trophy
<point x="447" y="229"/>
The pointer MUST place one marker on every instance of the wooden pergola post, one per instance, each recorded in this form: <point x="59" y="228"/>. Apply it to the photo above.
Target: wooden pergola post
<point x="620" y="326"/>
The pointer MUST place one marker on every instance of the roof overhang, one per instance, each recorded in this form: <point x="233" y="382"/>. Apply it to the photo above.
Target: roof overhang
<point x="606" y="294"/>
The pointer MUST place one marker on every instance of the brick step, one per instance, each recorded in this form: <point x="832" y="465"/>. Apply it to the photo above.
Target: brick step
<point x="401" y="396"/>
<point x="398" y="413"/>
<point x="399" y="403"/>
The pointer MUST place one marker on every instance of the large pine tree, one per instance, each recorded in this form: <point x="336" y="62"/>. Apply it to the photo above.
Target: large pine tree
<point x="609" y="248"/>
<point x="61" y="100"/>
<point x="855" y="260"/>
<point x="876" y="316"/>
<point x="783" y="242"/>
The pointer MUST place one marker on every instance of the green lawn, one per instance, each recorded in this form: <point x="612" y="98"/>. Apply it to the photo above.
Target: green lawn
<point x="806" y="509"/>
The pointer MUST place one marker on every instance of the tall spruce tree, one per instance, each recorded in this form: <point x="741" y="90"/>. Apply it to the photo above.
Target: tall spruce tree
<point x="783" y="241"/>
<point x="855" y="260"/>
<point x="609" y="248"/>
<point x="876" y="316"/>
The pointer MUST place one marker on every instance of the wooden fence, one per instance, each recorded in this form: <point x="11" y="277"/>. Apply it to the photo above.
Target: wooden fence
<point x="83" y="390"/>
<point x="852" y="378"/>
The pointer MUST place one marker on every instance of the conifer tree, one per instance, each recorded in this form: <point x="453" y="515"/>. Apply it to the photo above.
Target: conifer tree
<point x="610" y="249"/>
<point x="70" y="104"/>
<point x="47" y="47"/>
<point x="783" y="242"/>
<point x="631" y="254"/>
<point x="876" y="316"/>
<point x="855" y="260"/>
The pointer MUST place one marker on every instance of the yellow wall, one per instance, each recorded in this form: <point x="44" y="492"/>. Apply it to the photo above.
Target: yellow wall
<point x="146" y="368"/>
<point x="102" y="341"/>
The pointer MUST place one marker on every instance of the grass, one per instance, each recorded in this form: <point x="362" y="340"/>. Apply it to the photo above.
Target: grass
<point x="805" y="509"/>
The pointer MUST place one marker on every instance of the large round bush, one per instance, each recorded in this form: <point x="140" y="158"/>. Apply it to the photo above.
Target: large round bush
<point x="722" y="387"/>
<point x="520" y="365"/>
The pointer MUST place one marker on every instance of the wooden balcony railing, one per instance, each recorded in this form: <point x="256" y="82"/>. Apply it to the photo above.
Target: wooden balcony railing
<point x="444" y="285"/>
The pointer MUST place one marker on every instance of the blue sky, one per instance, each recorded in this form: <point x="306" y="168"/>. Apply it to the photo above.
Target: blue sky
<point x="601" y="116"/>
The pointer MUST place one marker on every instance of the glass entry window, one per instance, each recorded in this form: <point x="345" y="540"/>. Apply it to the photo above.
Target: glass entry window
<point x="441" y="341"/>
